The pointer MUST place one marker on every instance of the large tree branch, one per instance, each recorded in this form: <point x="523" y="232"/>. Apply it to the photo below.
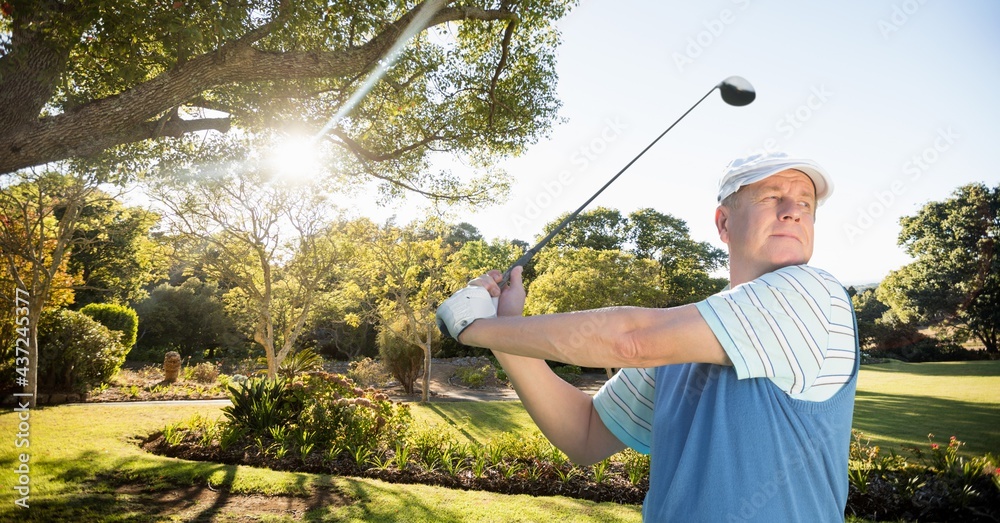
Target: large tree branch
<point x="360" y="154"/>
<point x="359" y="150"/>
<point x="505" y="52"/>
<point x="99" y="124"/>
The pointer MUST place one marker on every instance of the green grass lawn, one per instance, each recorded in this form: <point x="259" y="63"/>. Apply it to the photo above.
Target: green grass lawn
<point x="85" y="465"/>
<point x="901" y="403"/>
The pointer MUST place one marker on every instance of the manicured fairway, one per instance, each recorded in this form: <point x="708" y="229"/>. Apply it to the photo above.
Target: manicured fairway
<point x="901" y="403"/>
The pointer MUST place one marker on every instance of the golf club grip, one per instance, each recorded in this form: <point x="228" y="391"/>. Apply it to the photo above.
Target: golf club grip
<point x="522" y="261"/>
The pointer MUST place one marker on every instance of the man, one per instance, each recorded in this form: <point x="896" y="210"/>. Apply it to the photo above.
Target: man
<point x="743" y="401"/>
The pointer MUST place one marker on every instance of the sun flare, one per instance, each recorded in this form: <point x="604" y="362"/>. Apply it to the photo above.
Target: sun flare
<point x="295" y="159"/>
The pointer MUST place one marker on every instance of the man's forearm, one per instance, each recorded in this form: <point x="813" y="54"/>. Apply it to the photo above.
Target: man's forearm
<point x="588" y="339"/>
<point x="564" y="413"/>
<point x="614" y="337"/>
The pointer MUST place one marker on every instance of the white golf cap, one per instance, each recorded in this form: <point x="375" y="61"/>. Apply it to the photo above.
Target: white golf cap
<point x="744" y="171"/>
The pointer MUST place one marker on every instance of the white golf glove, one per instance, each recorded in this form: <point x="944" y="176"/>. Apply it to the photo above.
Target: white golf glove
<point x="463" y="308"/>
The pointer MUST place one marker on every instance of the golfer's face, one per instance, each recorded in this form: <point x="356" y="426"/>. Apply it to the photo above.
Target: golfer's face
<point x="773" y="225"/>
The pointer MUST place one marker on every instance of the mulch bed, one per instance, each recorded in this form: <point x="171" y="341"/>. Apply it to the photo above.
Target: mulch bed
<point x="613" y="489"/>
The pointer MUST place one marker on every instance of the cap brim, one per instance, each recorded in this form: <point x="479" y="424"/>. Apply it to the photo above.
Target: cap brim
<point x="821" y="180"/>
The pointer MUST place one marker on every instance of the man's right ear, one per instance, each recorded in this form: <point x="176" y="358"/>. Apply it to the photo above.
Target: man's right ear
<point x="722" y="223"/>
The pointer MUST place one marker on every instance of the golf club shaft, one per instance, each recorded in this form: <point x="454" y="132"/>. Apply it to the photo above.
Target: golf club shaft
<point x="526" y="257"/>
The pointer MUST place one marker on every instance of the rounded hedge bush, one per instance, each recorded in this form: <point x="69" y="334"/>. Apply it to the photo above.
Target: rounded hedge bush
<point x="117" y="318"/>
<point x="76" y="352"/>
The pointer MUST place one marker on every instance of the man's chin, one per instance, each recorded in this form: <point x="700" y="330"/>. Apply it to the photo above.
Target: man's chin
<point x="788" y="260"/>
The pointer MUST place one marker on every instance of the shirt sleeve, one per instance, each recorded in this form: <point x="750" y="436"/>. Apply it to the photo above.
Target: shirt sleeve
<point x="625" y="405"/>
<point x="777" y="326"/>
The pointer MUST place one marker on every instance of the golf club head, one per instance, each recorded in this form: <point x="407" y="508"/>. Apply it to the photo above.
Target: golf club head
<point x="737" y="91"/>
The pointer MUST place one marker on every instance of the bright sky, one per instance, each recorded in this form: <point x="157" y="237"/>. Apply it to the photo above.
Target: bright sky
<point x="893" y="97"/>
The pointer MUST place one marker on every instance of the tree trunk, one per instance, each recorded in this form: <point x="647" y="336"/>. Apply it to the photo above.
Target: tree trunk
<point x="425" y="395"/>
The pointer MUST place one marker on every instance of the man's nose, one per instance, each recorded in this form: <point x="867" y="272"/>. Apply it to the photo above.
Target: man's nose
<point x="789" y="210"/>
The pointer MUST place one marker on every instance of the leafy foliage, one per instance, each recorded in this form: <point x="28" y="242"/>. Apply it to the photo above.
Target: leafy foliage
<point x="475" y="376"/>
<point x="78" y="353"/>
<point x="260" y="404"/>
<point x="403" y="359"/>
<point x="955" y="278"/>
<point x="584" y="278"/>
<point x="484" y="86"/>
<point x="303" y="361"/>
<point x="647" y="248"/>
<point x="113" y="254"/>
<point x="118" y="318"/>
<point x="368" y="373"/>
<point x="189" y="318"/>
<point x="346" y="417"/>
<point x="938" y="485"/>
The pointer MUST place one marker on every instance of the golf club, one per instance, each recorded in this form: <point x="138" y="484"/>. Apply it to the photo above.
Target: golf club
<point x="735" y="91"/>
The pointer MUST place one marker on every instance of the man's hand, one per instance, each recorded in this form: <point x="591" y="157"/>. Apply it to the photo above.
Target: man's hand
<point x="483" y="298"/>
<point x="511" y="298"/>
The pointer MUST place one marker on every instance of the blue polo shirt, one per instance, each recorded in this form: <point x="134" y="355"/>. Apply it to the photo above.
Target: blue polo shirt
<point x="763" y="440"/>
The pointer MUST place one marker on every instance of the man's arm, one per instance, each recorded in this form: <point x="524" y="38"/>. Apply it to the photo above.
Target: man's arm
<point x="564" y="413"/>
<point x="611" y="337"/>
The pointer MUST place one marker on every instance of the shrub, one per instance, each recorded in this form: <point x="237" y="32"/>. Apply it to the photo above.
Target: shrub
<point x="77" y="353"/>
<point x="347" y="417"/>
<point x="202" y="373"/>
<point x="261" y="403"/>
<point x="569" y="373"/>
<point x="319" y="411"/>
<point x="301" y="362"/>
<point x="939" y="486"/>
<point x="190" y="319"/>
<point x="402" y="359"/>
<point x="473" y="376"/>
<point x="117" y="318"/>
<point x="368" y="373"/>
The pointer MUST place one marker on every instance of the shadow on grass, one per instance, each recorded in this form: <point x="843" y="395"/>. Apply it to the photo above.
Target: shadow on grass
<point x="491" y="417"/>
<point x="910" y="418"/>
<point x="403" y="502"/>
<point x="140" y="489"/>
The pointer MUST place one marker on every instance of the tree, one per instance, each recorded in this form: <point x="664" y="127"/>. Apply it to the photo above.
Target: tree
<point x="461" y="234"/>
<point x="685" y="265"/>
<point x="269" y="241"/>
<point x="124" y="83"/>
<point x="189" y="318"/>
<point x="402" y="275"/>
<point x="581" y="279"/>
<point x="600" y="229"/>
<point x="39" y="213"/>
<point x="955" y="278"/>
<point x="476" y="257"/>
<point x="114" y="257"/>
